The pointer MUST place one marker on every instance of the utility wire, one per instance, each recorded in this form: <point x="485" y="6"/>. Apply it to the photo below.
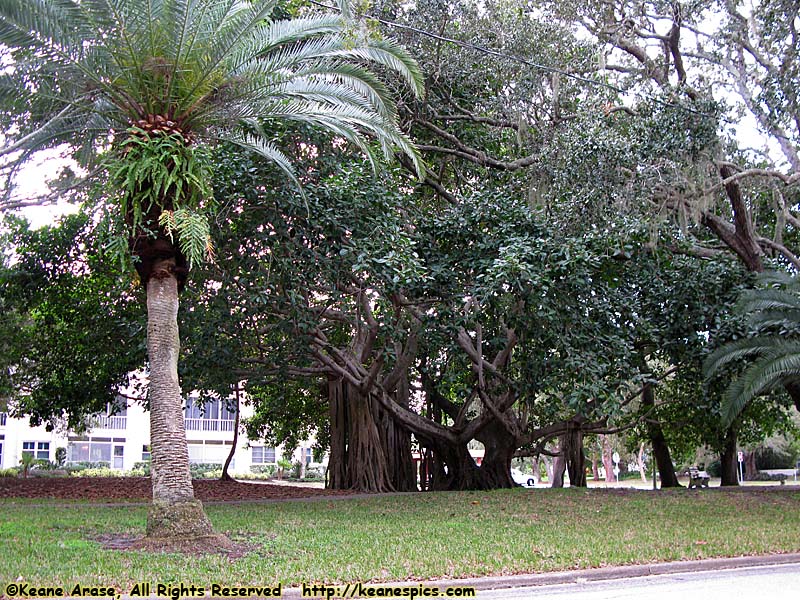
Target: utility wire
<point x="526" y="62"/>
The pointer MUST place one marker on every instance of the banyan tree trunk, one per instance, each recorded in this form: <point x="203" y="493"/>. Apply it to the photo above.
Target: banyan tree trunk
<point x="359" y="458"/>
<point x="367" y="467"/>
<point x="750" y="469"/>
<point x="461" y="471"/>
<point x="337" y="461"/>
<point x="396" y="441"/>
<point x="559" y="465"/>
<point x="434" y="473"/>
<point x="495" y="469"/>
<point x="576" y="461"/>
<point x="729" y="463"/>
<point x="608" y="463"/>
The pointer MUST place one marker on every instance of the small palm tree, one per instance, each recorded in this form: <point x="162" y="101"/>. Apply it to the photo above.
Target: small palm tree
<point x="772" y="350"/>
<point x="27" y="462"/>
<point x="145" y="88"/>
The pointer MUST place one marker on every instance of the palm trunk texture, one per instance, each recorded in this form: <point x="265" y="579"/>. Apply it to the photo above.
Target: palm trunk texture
<point x="175" y="513"/>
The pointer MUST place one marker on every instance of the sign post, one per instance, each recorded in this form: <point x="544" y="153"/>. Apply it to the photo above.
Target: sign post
<point x="655" y="486"/>
<point x="741" y="467"/>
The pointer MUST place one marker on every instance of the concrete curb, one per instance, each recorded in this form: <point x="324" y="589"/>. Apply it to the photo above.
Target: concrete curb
<point x="586" y="575"/>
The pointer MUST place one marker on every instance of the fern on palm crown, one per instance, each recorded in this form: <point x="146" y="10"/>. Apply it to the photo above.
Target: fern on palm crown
<point x="205" y="70"/>
<point x="772" y="351"/>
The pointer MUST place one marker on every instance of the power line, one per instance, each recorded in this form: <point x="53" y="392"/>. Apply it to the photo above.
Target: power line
<point x="526" y="62"/>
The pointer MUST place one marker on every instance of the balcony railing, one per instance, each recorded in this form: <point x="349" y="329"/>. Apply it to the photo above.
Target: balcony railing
<point x="3" y="417"/>
<point x="209" y="424"/>
<point x="105" y="422"/>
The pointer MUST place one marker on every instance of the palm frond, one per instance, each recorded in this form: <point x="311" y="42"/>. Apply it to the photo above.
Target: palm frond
<point x="764" y="375"/>
<point x="196" y="69"/>
<point x="779" y="278"/>
<point x="392" y="56"/>
<point x="238" y="27"/>
<point x="264" y="148"/>
<point x="775" y="359"/>
<point x="787" y="318"/>
<point x="744" y="349"/>
<point x="753" y="301"/>
<point x="192" y="230"/>
<point x="41" y="24"/>
<point x="291" y="31"/>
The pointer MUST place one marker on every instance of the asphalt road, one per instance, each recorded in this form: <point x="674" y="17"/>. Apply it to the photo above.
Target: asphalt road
<point x="778" y="582"/>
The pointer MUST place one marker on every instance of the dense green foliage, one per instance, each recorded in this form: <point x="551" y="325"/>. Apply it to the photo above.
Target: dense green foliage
<point x="74" y="325"/>
<point x="773" y="313"/>
<point x="586" y="222"/>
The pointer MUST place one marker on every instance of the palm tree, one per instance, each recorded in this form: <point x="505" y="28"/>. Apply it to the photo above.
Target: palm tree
<point x="772" y="350"/>
<point x="141" y="89"/>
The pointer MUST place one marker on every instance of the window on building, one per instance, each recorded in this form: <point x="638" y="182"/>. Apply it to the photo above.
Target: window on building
<point x="89" y="450"/>
<point x="39" y="450"/>
<point x="193" y="409"/>
<point x="100" y="452"/>
<point x="119" y="457"/>
<point x="227" y="413"/>
<point x="263" y="455"/>
<point x="195" y="452"/>
<point x="212" y="410"/>
<point x="146" y="452"/>
<point x="117" y="408"/>
<point x="3" y="417"/>
<point x="78" y="451"/>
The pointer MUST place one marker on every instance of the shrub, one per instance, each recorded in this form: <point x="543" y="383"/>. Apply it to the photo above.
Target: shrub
<point x="26" y="463"/>
<point x="315" y="472"/>
<point x="12" y="472"/>
<point x="45" y="465"/>
<point x="254" y="476"/>
<point x="82" y="466"/>
<point x="141" y="469"/>
<point x="283" y="467"/>
<point x="297" y="468"/>
<point x="268" y="470"/>
<point x="205" y="470"/>
<point x="761" y="476"/>
<point x="97" y="472"/>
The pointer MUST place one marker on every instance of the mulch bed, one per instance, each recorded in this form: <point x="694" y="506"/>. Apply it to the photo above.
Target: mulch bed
<point x="139" y="489"/>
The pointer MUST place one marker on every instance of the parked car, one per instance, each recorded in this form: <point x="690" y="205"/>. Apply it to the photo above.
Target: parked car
<point x="521" y="478"/>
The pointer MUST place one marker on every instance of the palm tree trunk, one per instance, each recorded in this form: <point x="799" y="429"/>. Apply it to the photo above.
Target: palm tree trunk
<point x="175" y="513"/>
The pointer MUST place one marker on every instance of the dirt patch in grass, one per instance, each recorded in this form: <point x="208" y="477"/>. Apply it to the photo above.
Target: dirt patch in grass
<point x="139" y="489"/>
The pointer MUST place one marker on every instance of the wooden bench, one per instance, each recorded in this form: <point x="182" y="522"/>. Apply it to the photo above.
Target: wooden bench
<point x="697" y="478"/>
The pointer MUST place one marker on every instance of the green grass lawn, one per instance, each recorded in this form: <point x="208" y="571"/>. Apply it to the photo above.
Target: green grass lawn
<point x="421" y="536"/>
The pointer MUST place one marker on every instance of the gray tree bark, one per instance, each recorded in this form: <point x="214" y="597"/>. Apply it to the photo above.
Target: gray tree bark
<point x="175" y="513"/>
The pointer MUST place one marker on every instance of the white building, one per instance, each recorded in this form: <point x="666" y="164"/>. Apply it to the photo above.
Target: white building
<point x="121" y="438"/>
